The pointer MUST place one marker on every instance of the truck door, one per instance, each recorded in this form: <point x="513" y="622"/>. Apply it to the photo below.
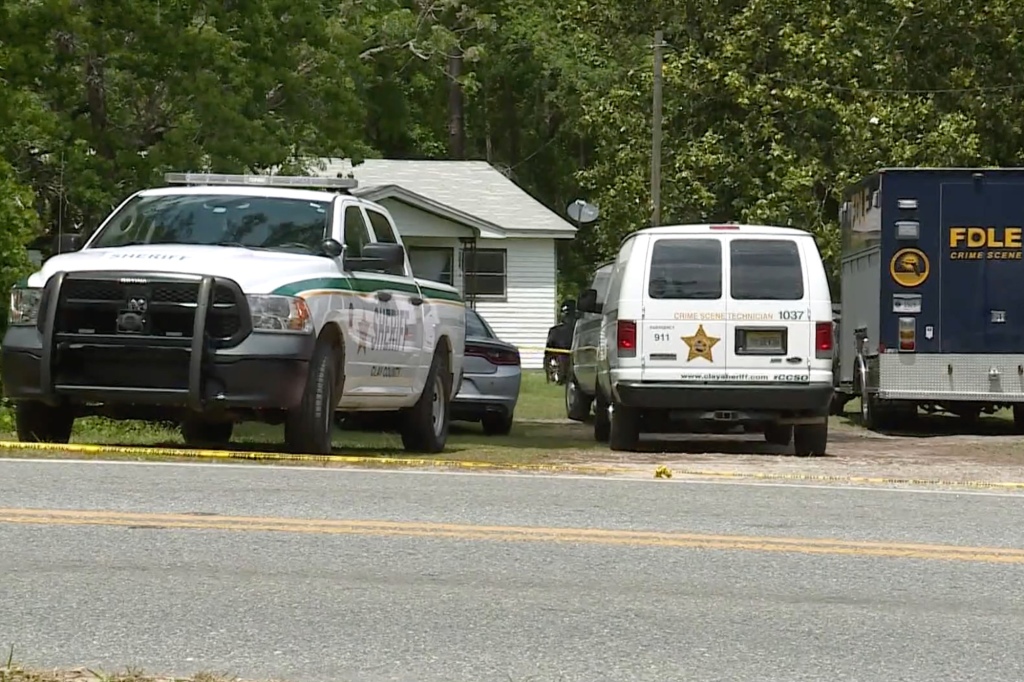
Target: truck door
<point x="397" y="349"/>
<point x="682" y="335"/>
<point x="982" y="271"/>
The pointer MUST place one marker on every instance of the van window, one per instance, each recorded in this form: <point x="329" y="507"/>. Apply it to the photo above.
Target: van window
<point x="765" y="270"/>
<point x="686" y="268"/>
<point x="601" y="281"/>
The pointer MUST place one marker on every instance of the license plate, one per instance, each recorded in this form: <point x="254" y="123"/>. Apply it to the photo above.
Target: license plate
<point x="764" y="341"/>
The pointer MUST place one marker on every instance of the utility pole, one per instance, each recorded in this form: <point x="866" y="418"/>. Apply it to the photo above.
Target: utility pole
<point x="659" y="43"/>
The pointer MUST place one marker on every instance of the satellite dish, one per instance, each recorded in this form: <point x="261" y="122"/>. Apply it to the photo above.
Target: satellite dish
<point x="582" y="211"/>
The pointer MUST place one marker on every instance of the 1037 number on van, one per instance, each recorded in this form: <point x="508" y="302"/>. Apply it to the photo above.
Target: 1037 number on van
<point x="792" y="314"/>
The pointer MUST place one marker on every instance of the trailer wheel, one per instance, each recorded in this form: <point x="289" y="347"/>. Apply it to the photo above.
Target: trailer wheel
<point x="872" y="416"/>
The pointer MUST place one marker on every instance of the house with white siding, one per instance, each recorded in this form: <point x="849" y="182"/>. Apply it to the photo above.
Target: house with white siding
<point x="466" y="224"/>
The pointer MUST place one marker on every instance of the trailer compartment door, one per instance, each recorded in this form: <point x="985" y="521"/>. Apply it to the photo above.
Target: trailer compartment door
<point x="982" y="269"/>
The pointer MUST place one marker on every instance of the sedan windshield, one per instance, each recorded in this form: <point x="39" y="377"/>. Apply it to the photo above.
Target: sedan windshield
<point x="216" y="219"/>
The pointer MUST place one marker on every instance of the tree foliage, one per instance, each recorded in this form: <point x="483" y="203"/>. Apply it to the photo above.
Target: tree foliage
<point x="771" y="107"/>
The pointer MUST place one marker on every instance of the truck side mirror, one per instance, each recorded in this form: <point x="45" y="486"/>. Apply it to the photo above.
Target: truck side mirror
<point x="379" y="256"/>
<point x="331" y="248"/>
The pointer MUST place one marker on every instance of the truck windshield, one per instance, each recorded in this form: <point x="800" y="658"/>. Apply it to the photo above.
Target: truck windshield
<point x="218" y="219"/>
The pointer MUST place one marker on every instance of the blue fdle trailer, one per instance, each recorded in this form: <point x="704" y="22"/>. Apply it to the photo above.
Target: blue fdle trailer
<point x="932" y="294"/>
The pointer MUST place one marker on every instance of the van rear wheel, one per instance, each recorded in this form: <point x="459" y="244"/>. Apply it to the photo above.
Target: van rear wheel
<point x="778" y="434"/>
<point x="624" y="432"/>
<point x="577" y="403"/>
<point x="602" y="422"/>
<point x="811" y="440"/>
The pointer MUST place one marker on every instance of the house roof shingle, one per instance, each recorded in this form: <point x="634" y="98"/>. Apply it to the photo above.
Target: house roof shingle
<point x="472" y="187"/>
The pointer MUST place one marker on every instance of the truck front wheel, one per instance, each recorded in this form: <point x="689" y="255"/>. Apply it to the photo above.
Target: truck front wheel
<point x="308" y="428"/>
<point x="425" y="424"/>
<point x="38" y="422"/>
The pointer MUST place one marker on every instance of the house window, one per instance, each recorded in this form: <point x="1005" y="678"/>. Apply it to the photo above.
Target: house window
<point x="483" y="272"/>
<point x="432" y="262"/>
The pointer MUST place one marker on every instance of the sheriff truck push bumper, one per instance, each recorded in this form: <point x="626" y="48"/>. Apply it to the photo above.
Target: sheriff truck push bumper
<point x="156" y="339"/>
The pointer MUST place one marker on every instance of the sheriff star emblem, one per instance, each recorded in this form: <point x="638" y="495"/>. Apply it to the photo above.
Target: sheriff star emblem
<point x="700" y="345"/>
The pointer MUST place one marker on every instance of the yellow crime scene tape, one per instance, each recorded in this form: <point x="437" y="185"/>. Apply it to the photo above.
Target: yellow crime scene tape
<point x="661" y="471"/>
<point x="546" y="350"/>
<point x="255" y="455"/>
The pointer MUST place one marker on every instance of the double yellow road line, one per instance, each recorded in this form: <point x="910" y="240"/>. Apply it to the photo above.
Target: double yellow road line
<point x="451" y="531"/>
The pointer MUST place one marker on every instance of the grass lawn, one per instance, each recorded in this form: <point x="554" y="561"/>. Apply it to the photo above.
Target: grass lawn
<point x="541" y="435"/>
<point x="532" y="441"/>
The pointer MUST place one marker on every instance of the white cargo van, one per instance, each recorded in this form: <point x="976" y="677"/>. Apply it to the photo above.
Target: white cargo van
<point x="707" y="327"/>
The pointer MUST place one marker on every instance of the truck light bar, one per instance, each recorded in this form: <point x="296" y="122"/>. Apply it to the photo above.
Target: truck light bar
<point x="294" y="181"/>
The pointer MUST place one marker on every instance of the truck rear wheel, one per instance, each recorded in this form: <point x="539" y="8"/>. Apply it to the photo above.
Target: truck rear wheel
<point x="308" y="427"/>
<point x="811" y="440"/>
<point x="425" y="424"/>
<point x="37" y="422"/>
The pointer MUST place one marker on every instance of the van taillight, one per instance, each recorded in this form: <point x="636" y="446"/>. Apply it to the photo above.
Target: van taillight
<point x="625" y="335"/>
<point x="823" y="332"/>
<point x="908" y="334"/>
<point x="725" y="227"/>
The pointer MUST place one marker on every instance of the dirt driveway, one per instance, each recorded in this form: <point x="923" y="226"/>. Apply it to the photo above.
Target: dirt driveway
<point x="938" y="448"/>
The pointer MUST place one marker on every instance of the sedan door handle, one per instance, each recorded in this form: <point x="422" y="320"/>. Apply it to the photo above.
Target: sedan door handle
<point x="383" y="296"/>
<point x="416" y="300"/>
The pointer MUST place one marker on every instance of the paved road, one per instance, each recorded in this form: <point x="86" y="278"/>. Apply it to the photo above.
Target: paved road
<point x="345" y="575"/>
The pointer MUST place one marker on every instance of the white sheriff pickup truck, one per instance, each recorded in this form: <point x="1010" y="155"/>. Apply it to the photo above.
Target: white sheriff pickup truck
<point x="220" y="299"/>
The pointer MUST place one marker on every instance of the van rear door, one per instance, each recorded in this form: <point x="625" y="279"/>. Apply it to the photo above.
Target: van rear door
<point x="682" y="335"/>
<point x="769" y="336"/>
